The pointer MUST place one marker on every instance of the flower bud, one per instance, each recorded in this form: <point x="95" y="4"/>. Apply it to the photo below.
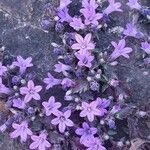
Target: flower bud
<point x="77" y="99"/>
<point x="89" y="78"/>
<point x="120" y="144"/>
<point x="98" y="76"/>
<point x="78" y="107"/>
<point x="15" y="87"/>
<point x="127" y="142"/>
<point x="106" y="137"/>
<point x="102" y="122"/>
<point x="23" y="81"/>
<point x="142" y="113"/>
<point x="16" y="94"/>
<point x="33" y="118"/>
<point x="56" y="18"/>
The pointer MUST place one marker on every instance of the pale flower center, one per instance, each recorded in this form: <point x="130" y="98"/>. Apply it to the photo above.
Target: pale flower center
<point x="62" y="118"/>
<point x="83" y="46"/>
<point x="32" y="91"/>
<point x="89" y="109"/>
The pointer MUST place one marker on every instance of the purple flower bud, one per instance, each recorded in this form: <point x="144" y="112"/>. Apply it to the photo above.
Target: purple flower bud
<point x="94" y="86"/>
<point x="58" y="50"/>
<point x="68" y="60"/>
<point x="3" y="128"/>
<point x="146" y="12"/>
<point x="9" y="103"/>
<point x="70" y="38"/>
<point x="46" y="24"/>
<point x="31" y="110"/>
<point x="59" y="27"/>
<point x="9" y="121"/>
<point x="16" y="79"/>
<point x="139" y="35"/>
<point x="111" y="124"/>
<point x="78" y="73"/>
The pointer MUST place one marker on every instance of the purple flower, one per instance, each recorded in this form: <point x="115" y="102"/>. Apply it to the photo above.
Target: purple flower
<point x="40" y="142"/>
<point x="112" y="7"/>
<point x="66" y="83"/>
<point x="95" y="144"/>
<point x="89" y="4"/>
<point x="19" y="103"/>
<point x="51" y="81"/>
<point x="146" y="47"/>
<point x="115" y="109"/>
<point x="64" y="16"/>
<point x="60" y="67"/>
<point x="147" y="60"/>
<point x="23" y="64"/>
<point x="93" y="18"/>
<point x="94" y="86"/>
<point x="114" y="82"/>
<point x="90" y="110"/>
<point x="77" y="23"/>
<point x="64" y="4"/>
<point x="3" y="69"/>
<point x="102" y="105"/>
<point x="120" y="50"/>
<point x="51" y="107"/>
<point x="83" y="43"/>
<point x="87" y="133"/>
<point x="130" y="30"/>
<point x="111" y="123"/>
<point x="133" y="4"/>
<point x="85" y="59"/>
<point x="89" y="12"/>
<point x="3" y="88"/>
<point x="31" y="91"/>
<point x="62" y="120"/>
<point x="21" y="130"/>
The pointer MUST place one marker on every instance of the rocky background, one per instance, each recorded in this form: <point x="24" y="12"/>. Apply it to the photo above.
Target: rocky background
<point x="21" y="34"/>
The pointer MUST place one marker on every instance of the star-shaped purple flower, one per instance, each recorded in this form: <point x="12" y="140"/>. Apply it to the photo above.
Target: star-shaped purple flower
<point x="102" y="105"/>
<point x="89" y="12"/>
<point x="19" y="103"/>
<point x="21" y="130"/>
<point x="130" y="30"/>
<point x="64" y="16"/>
<point x="51" y="81"/>
<point x="51" y="107"/>
<point x="63" y="120"/>
<point x="77" y="23"/>
<point x="3" y="88"/>
<point x="31" y="91"/>
<point x="115" y="109"/>
<point x="133" y="4"/>
<point x="40" y="142"/>
<point x="86" y="132"/>
<point x="90" y="110"/>
<point x="66" y="83"/>
<point x="146" y="47"/>
<point x="3" y="69"/>
<point x="85" y="59"/>
<point x="95" y="144"/>
<point x="60" y="67"/>
<point x="83" y="44"/>
<point x="120" y="50"/>
<point x="64" y="4"/>
<point x="113" y="6"/>
<point x="23" y="64"/>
